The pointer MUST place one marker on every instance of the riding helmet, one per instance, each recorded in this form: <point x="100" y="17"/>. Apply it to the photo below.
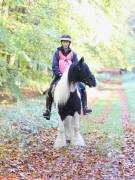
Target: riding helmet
<point x="66" y="37"/>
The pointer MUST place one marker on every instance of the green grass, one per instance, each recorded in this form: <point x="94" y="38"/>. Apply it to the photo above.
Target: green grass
<point x="90" y="122"/>
<point x="129" y="86"/>
<point x="25" y="117"/>
<point x="114" y="123"/>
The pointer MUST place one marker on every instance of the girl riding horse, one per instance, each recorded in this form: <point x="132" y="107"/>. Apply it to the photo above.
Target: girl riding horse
<point x="64" y="57"/>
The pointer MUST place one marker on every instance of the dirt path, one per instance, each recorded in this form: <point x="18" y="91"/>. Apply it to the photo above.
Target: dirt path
<point x="107" y="94"/>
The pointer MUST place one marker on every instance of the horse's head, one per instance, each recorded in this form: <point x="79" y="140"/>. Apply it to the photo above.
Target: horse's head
<point x="83" y="74"/>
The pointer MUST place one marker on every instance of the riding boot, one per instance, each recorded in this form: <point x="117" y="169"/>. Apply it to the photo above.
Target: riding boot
<point x="49" y="101"/>
<point x="86" y="110"/>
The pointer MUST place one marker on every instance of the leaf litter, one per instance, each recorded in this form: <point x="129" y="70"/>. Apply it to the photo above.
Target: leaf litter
<point x="38" y="160"/>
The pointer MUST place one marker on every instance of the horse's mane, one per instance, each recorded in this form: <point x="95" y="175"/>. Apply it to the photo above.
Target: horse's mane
<point x="62" y="90"/>
<point x="74" y="73"/>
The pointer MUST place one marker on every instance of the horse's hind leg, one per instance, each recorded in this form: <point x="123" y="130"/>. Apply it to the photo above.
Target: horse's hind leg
<point x="61" y="139"/>
<point x="77" y="138"/>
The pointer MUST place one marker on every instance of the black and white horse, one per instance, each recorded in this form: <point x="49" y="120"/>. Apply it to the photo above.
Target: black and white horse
<point x="68" y="102"/>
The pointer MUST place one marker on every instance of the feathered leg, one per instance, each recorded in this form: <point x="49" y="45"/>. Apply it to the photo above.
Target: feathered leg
<point x="61" y="138"/>
<point x="77" y="139"/>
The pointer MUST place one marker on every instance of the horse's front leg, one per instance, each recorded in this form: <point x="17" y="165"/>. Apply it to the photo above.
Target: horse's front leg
<point x="69" y="128"/>
<point x="77" y="138"/>
<point x="61" y="139"/>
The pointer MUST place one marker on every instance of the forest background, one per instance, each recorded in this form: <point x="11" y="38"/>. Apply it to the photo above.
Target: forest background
<point x="102" y="31"/>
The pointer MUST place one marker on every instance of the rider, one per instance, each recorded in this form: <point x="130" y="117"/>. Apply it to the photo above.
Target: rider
<point x="62" y="58"/>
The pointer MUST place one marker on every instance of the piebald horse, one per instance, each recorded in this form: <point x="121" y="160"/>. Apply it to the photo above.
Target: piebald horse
<point x="68" y="102"/>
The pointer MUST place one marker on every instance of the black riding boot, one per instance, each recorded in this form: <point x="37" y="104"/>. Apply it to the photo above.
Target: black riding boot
<point x="49" y="101"/>
<point x="86" y="110"/>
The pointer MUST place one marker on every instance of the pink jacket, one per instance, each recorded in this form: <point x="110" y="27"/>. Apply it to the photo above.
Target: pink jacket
<point x="65" y="61"/>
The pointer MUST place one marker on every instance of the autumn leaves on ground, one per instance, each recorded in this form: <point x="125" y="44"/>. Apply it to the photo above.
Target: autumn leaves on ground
<point x="108" y="133"/>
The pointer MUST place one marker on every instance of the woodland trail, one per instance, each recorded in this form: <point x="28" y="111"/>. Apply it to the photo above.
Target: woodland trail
<point x="109" y="134"/>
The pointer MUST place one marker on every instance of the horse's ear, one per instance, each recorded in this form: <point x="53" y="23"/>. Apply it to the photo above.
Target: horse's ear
<point x="81" y="60"/>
